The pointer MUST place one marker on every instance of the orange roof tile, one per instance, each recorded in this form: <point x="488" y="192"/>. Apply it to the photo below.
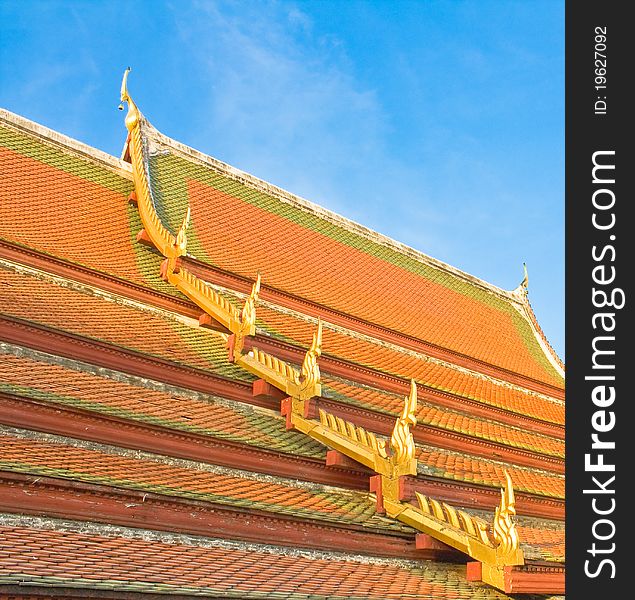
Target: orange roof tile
<point x="147" y="332"/>
<point x="121" y="560"/>
<point x="429" y="414"/>
<point x="307" y="253"/>
<point x="106" y="393"/>
<point x="464" y="467"/>
<point x="41" y="454"/>
<point x="301" y="258"/>
<point x="404" y="294"/>
<point x="77" y="209"/>
<point x="408" y="364"/>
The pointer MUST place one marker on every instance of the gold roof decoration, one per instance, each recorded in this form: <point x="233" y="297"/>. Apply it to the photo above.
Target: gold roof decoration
<point x="270" y="368"/>
<point x="181" y="235"/>
<point x="154" y="230"/>
<point x="132" y="118"/>
<point x="401" y="441"/>
<point x="353" y="432"/>
<point x="248" y="316"/>
<point x="523" y="287"/>
<point x="496" y="547"/>
<point x="459" y="519"/>
<point x="310" y="378"/>
<point x="504" y="528"/>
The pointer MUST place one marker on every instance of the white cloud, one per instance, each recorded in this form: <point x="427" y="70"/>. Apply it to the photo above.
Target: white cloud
<point x="284" y="104"/>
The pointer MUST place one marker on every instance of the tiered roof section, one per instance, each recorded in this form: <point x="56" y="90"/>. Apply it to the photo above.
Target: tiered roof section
<point x="211" y="387"/>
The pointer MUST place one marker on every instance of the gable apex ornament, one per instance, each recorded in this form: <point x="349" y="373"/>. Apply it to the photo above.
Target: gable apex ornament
<point x="522" y="290"/>
<point x="132" y="118"/>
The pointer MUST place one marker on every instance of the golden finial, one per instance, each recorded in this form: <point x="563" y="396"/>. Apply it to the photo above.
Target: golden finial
<point x="401" y="440"/>
<point x="181" y="237"/>
<point x="310" y="372"/>
<point x="503" y="527"/>
<point x="523" y="287"/>
<point x="132" y="118"/>
<point x="525" y="282"/>
<point x="248" y="316"/>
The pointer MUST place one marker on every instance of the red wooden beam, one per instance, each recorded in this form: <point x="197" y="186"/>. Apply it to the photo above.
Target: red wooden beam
<point x="529" y="579"/>
<point x="19" y="331"/>
<point x="535" y="581"/>
<point x="39" y="416"/>
<point x="232" y="281"/>
<point x="88" y="502"/>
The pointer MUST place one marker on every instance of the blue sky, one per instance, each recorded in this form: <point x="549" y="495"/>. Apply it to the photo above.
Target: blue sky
<point x="438" y="123"/>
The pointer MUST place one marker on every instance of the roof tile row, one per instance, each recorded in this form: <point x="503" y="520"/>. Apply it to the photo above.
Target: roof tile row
<point x="61" y="558"/>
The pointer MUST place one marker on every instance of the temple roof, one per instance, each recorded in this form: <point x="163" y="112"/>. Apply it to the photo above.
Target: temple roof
<point x="131" y="560"/>
<point x="322" y="257"/>
<point x="120" y="389"/>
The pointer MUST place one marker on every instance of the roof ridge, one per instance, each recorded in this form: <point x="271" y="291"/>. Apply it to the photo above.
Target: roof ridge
<point x="66" y="143"/>
<point x="536" y="326"/>
<point x="525" y="311"/>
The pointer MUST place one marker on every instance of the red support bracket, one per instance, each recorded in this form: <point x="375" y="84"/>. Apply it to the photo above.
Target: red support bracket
<point x="375" y="486"/>
<point x="285" y="411"/>
<point x="208" y="322"/>
<point x="406" y="488"/>
<point x="335" y="458"/>
<point x="474" y="571"/>
<point x="263" y="389"/>
<point x="423" y="541"/>
<point x="164" y="268"/>
<point x="310" y="408"/>
<point x="126" y="155"/>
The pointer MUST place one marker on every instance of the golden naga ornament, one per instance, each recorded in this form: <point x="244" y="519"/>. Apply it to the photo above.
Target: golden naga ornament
<point x="401" y="441"/>
<point x="181" y="236"/>
<point x="155" y="231"/>
<point x="132" y="118"/>
<point x="310" y="377"/>
<point x="247" y="324"/>
<point x="503" y="527"/>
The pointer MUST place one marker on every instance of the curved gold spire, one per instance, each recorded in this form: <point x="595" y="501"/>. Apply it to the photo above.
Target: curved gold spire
<point x="166" y="243"/>
<point x="503" y="527"/>
<point x="402" y="442"/>
<point x="523" y="287"/>
<point x="181" y="236"/>
<point x="132" y="118"/>
<point x="525" y="282"/>
<point x="247" y="325"/>
<point x="248" y="315"/>
<point x="310" y="371"/>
